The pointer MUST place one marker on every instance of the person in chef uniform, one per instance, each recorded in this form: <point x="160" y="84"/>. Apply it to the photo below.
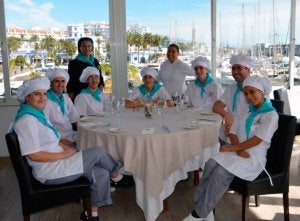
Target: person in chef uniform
<point x="90" y="100"/>
<point x="150" y="90"/>
<point x="54" y="162"/>
<point x="233" y="101"/>
<point x="245" y="157"/>
<point x="173" y="71"/>
<point x="59" y="108"/>
<point x="204" y="91"/>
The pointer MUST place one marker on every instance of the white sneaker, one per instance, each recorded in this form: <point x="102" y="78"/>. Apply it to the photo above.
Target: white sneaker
<point x="191" y="218"/>
<point x="210" y="217"/>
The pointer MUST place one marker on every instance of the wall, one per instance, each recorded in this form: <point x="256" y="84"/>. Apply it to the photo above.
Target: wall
<point x="7" y="114"/>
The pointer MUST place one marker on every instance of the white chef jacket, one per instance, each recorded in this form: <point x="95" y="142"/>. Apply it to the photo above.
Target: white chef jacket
<point x="172" y="75"/>
<point x="213" y="92"/>
<point x="62" y="122"/>
<point x="241" y="105"/>
<point x="86" y="104"/>
<point x="159" y="94"/>
<point x="35" y="137"/>
<point x="264" y="126"/>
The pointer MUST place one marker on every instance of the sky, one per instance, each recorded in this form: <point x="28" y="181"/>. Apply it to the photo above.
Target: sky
<point x="239" y="22"/>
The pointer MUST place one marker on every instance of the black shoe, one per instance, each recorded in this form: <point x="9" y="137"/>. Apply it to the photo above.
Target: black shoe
<point x="125" y="182"/>
<point x="84" y="217"/>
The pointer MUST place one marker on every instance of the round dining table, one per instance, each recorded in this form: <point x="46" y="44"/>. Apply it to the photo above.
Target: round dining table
<point x="158" y="151"/>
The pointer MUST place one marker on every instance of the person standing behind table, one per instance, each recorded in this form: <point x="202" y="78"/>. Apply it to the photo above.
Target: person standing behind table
<point x="204" y="90"/>
<point x="173" y="71"/>
<point x="59" y="108"/>
<point x="54" y="162"/>
<point x="90" y="100"/>
<point x="250" y="133"/>
<point x="84" y="59"/>
<point x="150" y="90"/>
<point x="233" y="101"/>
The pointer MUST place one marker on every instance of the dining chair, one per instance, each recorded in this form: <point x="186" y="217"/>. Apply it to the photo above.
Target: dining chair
<point x="278" y="105"/>
<point x="279" y="94"/>
<point x="278" y="165"/>
<point x="36" y="196"/>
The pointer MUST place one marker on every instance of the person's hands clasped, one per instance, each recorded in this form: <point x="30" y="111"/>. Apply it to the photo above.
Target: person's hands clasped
<point x="68" y="153"/>
<point x="228" y="121"/>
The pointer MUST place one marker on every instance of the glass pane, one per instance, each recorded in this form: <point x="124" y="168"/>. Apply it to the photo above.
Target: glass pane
<point x="260" y="29"/>
<point x="43" y="35"/>
<point x="186" y="23"/>
<point x="1" y="77"/>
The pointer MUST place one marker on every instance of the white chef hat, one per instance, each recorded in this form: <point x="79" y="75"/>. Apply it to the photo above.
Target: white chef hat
<point x="87" y="72"/>
<point x="148" y="71"/>
<point x="241" y="59"/>
<point x="32" y="85"/>
<point x="57" y="72"/>
<point x="261" y="83"/>
<point x="201" y="61"/>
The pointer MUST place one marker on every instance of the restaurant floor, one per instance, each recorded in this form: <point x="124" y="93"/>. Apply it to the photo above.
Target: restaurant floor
<point x="179" y="203"/>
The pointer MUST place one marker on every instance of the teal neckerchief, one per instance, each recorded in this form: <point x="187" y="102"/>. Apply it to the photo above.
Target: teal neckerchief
<point x="89" y="60"/>
<point x="239" y="87"/>
<point x="96" y="94"/>
<point x="265" y="107"/>
<point x="38" y="114"/>
<point x="57" y="99"/>
<point x="146" y="94"/>
<point x="208" y="80"/>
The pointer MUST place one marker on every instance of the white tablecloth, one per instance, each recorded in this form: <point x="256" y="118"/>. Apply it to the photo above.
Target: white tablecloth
<point x="158" y="160"/>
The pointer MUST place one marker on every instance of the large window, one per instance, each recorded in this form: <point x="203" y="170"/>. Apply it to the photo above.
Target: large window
<point x="43" y="34"/>
<point x="38" y="32"/>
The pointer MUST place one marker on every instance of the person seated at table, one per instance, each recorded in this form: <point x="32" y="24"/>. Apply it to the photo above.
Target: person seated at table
<point x="233" y="101"/>
<point x="54" y="162"/>
<point x="59" y="108"/>
<point x="204" y="91"/>
<point x="150" y="90"/>
<point x="251" y="135"/>
<point x="90" y="99"/>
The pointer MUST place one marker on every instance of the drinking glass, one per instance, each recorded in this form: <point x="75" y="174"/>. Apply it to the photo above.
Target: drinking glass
<point x="161" y="106"/>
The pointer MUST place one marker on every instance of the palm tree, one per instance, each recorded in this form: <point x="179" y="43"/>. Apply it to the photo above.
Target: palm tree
<point x="13" y="44"/>
<point x="138" y="41"/>
<point x="49" y="44"/>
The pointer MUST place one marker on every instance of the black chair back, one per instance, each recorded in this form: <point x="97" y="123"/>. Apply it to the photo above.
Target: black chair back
<point x="36" y="196"/>
<point x="280" y="151"/>
<point x="278" y="105"/>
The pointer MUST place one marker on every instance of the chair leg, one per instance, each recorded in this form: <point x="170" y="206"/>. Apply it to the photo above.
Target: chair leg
<point x="245" y="205"/>
<point x="286" y="206"/>
<point x="196" y="177"/>
<point x="165" y="206"/>
<point x="257" y="204"/>
<point x="88" y="206"/>
<point x="26" y="217"/>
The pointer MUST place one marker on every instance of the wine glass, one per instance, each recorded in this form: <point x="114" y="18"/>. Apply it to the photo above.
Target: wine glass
<point x="161" y="106"/>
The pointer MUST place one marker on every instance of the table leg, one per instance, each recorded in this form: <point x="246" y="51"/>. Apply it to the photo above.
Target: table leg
<point x="196" y="177"/>
<point x="165" y="205"/>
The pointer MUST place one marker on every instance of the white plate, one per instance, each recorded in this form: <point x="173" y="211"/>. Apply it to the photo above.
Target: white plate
<point x="116" y="130"/>
<point x="203" y="122"/>
<point x="190" y="126"/>
<point x="87" y="119"/>
<point x="206" y="112"/>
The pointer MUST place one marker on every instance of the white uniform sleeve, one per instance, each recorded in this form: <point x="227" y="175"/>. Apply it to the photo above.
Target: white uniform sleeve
<point x="27" y="130"/>
<point x="73" y="113"/>
<point x="81" y="105"/>
<point x="266" y="125"/>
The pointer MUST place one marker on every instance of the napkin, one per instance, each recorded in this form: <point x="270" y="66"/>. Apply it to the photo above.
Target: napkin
<point x="148" y="130"/>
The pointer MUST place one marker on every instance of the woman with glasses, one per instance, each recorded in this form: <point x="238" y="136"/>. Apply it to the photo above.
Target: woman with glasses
<point x="204" y="91"/>
<point x="150" y="90"/>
